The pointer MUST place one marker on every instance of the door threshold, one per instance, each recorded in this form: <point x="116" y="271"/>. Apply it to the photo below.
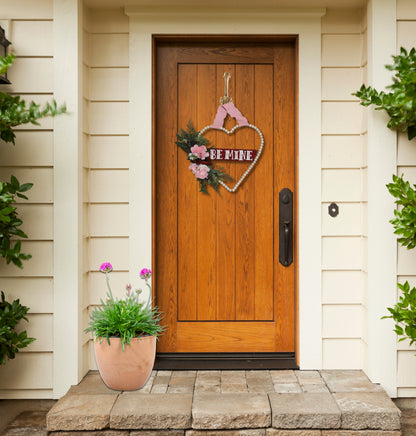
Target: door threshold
<point x="195" y="361"/>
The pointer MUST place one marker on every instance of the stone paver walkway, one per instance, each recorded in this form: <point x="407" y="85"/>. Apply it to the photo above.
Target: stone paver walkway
<point x="230" y="403"/>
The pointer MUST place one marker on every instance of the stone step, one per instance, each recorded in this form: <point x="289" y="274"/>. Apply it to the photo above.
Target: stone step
<point x="191" y="403"/>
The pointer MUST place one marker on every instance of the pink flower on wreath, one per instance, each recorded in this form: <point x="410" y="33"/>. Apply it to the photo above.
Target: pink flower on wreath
<point x="199" y="171"/>
<point x="200" y="151"/>
<point x="202" y="172"/>
<point x="106" y="267"/>
<point x="193" y="167"/>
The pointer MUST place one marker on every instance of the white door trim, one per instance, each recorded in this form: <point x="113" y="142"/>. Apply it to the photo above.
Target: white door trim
<point x="306" y="24"/>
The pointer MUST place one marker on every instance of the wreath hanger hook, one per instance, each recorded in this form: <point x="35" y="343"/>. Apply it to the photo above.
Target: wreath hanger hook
<point x="226" y="98"/>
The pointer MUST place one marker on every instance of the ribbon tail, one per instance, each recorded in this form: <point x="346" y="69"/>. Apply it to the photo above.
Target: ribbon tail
<point x="219" y="118"/>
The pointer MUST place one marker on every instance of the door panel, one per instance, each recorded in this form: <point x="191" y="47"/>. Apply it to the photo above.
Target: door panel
<point x="218" y="279"/>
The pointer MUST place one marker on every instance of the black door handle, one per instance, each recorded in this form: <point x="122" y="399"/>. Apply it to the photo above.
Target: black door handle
<point x="285" y="227"/>
<point x="286" y="231"/>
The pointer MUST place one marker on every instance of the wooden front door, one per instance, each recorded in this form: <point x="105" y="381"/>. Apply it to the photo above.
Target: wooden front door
<point x="218" y="278"/>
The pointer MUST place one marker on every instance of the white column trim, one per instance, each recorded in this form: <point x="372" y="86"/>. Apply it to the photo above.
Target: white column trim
<point x="67" y="325"/>
<point x="145" y="22"/>
<point x="382" y="161"/>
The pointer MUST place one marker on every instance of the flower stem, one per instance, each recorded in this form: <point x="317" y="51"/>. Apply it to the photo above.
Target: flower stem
<point x="108" y="286"/>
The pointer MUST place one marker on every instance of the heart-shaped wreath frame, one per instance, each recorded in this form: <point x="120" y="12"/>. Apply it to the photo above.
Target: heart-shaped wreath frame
<point x="230" y="132"/>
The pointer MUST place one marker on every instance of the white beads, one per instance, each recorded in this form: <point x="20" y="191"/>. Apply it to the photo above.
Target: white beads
<point x="246" y="173"/>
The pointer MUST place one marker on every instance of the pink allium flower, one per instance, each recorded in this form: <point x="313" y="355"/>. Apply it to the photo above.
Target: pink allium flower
<point x="202" y="172"/>
<point x="200" y="151"/>
<point x="106" y="267"/>
<point x="145" y="274"/>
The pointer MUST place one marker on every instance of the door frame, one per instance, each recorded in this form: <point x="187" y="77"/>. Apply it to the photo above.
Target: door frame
<point x="306" y="26"/>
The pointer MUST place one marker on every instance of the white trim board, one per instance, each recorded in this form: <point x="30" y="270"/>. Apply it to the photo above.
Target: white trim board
<point x="67" y="184"/>
<point x="382" y="161"/>
<point x="144" y="23"/>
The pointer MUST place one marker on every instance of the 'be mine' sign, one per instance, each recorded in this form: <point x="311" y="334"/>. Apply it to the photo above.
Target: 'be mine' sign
<point x="232" y="154"/>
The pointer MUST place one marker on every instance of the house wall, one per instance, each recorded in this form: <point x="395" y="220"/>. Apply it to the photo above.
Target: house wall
<point x="30" y="28"/>
<point x="344" y="60"/>
<point x="107" y="136"/>
<point x="106" y="226"/>
<point x="406" y="164"/>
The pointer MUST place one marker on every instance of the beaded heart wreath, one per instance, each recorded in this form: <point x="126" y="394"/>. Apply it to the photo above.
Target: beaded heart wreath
<point x="194" y="144"/>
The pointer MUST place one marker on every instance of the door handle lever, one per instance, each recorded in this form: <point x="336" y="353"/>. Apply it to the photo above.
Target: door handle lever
<point x="286" y="231"/>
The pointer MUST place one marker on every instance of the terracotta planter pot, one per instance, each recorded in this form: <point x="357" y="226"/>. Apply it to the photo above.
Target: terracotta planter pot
<point x="126" y="370"/>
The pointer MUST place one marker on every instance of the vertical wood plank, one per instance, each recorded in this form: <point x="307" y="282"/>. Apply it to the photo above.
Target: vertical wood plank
<point x="284" y="130"/>
<point x="187" y="198"/>
<point x="165" y="283"/>
<point x="263" y="200"/>
<point x="226" y="214"/>
<point x="207" y="204"/>
<point x="244" y="101"/>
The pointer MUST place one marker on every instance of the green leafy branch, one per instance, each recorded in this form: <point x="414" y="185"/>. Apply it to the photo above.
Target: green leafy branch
<point x="14" y="112"/>
<point x="400" y="103"/>
<point x="10" y="340"/>
<point x="404" y="311"/>
<point x="6" y="62"/>
<point x="405" y="218"/>
<point x="10" y="222"/>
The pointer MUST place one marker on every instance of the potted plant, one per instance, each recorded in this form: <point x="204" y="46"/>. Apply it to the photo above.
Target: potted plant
<point x="125" y="333"/>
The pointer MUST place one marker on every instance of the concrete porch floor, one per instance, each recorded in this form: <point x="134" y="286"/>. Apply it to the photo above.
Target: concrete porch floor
<point x="230" y="403"/>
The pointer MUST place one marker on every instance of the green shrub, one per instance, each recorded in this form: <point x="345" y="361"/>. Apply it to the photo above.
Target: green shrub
<point x="400" y="103"/>
<point x="11" y="341"/>
<point x="10" y="222"/>
<point x="404" y="312"/>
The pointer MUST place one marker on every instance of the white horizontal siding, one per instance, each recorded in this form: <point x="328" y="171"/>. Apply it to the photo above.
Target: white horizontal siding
<point x="343" y="149"/>
<point x="27" y="371"/>
<point x="108" y="152"/>
<point x="109" y="118"/>
<point x="341" y="185"/>
<point x="40" y="71"/>
<point x="347" y="223"/>
<point x="42" y="179"/>
<point x="343" y="353"/>
<point x="109" y="50"/>
<point x="32" y="149"/>
<point x="342" y="287"/>
<point x="114" y="250"/>
<point x="341" y="50"/>
<point x="40" y="265"/>
<point x="109" y="219"/>
<point x="27" y="10"/>
<point x="108" y="186"/>
<point x="340" y="83"/>
<point x="33" y="292"/>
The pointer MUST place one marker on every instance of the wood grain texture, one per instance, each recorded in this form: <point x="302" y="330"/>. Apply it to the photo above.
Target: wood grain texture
<point x="245" y="234"/>
<point x="187" y="201"/>
<point x="284" y="305"/>
<point x="219" y="280"/>
<point x="166" y="265"/>
<point x="226" y="337"/>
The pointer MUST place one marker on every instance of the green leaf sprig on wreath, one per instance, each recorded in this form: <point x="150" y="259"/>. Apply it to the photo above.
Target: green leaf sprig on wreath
<point x="196" y="148"/>
<point x="400" y="103"/>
